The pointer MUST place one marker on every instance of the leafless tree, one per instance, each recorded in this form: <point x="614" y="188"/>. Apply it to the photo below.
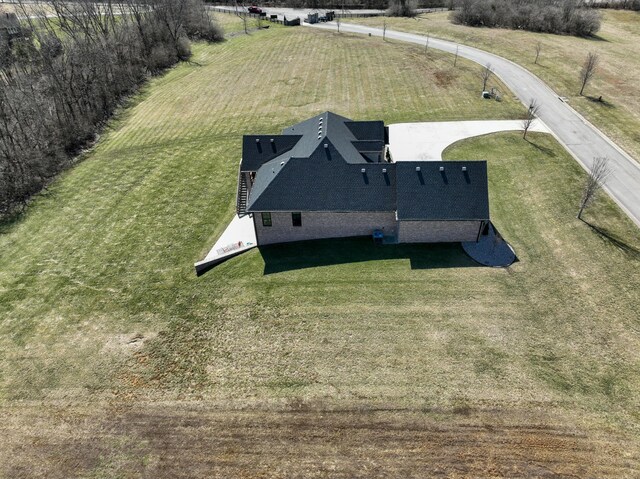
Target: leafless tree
<point x="485" y="74"/>
<point x="426" y="45"/>
<point x="600" y="170"/>
<point x="588" y="69"/>
<point x="338" y="23"/>
<point x="384" y="29"/>
<point x="538" y="49"/>
<point x="65" y="75"/>
<point x="532" y="113"/>
<point x="402" y="8"/>
<point x="455" y="59"/>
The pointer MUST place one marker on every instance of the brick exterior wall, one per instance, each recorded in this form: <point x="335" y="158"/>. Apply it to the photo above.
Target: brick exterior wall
<point x="317" y="225"/>
<point x="438" y="231"/>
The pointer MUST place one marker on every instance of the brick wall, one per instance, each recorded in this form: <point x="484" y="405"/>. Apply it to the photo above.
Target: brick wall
<point x="317" y="225"/>
<point x="438" y="231"/>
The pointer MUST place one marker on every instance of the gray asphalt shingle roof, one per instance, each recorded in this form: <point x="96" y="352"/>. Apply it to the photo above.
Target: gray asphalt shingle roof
<point x="316" y="165"/>
<point x="257" y="153"/>
<point x="323" y="182"/>
<point x="450" y="194"/>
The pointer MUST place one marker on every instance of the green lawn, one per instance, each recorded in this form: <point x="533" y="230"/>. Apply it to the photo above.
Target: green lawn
<point x="233" y="24"/>
<point x="105" y="331"/>
<point x="560" y="61"/>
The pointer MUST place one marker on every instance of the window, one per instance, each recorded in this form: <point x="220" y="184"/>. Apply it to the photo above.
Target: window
<point x="296" y="219"/>
<point x="266" y="219"/>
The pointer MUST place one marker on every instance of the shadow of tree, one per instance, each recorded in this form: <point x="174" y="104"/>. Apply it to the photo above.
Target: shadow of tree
<point x="311" y="254"/>
<point x="543" y="149"/>
<point x="614" y="240"/>
<point x="599" y="100"/>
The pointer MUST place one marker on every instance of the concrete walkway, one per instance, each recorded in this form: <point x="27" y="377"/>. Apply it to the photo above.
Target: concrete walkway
<point x="240" y="236"/>
<point x="581" y="139"/>
<point x="427" y="140"/>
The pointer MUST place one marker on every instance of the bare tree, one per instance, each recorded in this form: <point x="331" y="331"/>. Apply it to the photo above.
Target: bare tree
<point x="402" y="8"/>
<point x="532" y="113"/>
<point x="338" y="22"/>
<point x="426" y="45"/>
<point x="588" y="69"/>
<point x="455" y="59"/>
<point x="538" y="49"/>
<point x="596" y="179"/>
<point x="485" y="74"/>
<point x="384" y="29"/>
<point x="243" y="16"/>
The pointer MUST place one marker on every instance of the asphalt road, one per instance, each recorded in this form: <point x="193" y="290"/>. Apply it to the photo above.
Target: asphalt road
<point x="584" y="141"/>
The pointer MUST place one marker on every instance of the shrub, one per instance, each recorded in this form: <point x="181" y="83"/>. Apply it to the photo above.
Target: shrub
<point x="402" y="8"/>
<point x="549" y="16"/>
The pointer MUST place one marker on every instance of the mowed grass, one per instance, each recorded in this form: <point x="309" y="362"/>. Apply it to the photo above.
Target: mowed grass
<point x="561" y="59"/>
<point x="233" y="24"/>
<point x="162" y="185"/>
<point x="101" y="312"/>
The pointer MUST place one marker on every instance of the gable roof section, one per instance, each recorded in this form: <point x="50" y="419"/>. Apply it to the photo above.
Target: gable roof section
<point x="335" y="128"/>
<point x="452" y="194"/>
<point x="257" y="153"/>
<point x="323" y="182"/>
<point x="366" y="130"/>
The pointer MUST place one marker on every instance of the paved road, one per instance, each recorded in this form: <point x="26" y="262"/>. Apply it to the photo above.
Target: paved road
<point x="580" y="138"/>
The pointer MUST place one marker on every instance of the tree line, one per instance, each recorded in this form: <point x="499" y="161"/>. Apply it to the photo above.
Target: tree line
<point x="70" y="67"/>
<point x="549" y="16"/>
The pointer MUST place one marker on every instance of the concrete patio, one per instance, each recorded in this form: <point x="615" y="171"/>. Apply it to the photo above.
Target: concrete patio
<point x="240" y="236"/>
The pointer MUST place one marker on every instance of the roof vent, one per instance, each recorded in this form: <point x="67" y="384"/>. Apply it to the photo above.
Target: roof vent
<point x="319" y="136"/>
<point x="441" y="168"/>
<point x="326" y="145"/>
<point x="272" y="140"/>
<point x="363" y="170"/>
<point x="257" y="140"/>
<point x="282" y="163"/>
<point x="320" y="120"/>
<point x="384" y="170"/>
<point x="464" y="168"/>
<point x="417" y="168"/>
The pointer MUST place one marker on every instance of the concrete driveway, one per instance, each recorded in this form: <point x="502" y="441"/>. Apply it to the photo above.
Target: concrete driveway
<point x="583" y="140"/>
<point x="427" y="140"/>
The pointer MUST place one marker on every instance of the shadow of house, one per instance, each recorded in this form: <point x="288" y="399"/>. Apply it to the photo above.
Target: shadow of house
<point x="329" y="252"/>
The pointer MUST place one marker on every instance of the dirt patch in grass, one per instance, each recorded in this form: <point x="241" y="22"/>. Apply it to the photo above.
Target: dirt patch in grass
<point x="186" y="440"/>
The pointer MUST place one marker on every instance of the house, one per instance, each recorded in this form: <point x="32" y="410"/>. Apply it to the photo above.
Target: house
<point x="331" y="177"/>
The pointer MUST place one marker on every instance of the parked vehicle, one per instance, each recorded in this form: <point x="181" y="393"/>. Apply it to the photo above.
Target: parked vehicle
<point x="254" y="9"/>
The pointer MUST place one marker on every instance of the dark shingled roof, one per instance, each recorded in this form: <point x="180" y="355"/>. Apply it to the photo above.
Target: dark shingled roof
<point x="452" y="194"/>
<point x="368" y="145"/>
<point x="323" y="182"/>
<point x="366" y="130"/>
<point x="255" y="154"/>
<point x="298" y="173"/>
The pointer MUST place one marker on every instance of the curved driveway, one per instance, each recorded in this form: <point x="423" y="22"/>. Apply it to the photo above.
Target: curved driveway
<point x="580" y="138"/>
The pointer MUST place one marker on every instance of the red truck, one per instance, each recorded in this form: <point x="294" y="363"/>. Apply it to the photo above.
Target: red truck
<point x="254" y="9"/>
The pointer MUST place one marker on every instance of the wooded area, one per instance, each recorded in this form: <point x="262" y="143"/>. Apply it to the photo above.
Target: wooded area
<point x="549" y="16"/>
<point x="66" y="66"/>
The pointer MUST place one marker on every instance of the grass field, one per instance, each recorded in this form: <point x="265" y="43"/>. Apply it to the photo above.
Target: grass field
<point x="232" y="24"/>
<point x="560" y="61"/>
<point x="331" y="358"/>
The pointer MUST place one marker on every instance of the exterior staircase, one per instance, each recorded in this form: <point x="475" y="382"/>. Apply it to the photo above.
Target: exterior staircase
<point x="243" y="195"/>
